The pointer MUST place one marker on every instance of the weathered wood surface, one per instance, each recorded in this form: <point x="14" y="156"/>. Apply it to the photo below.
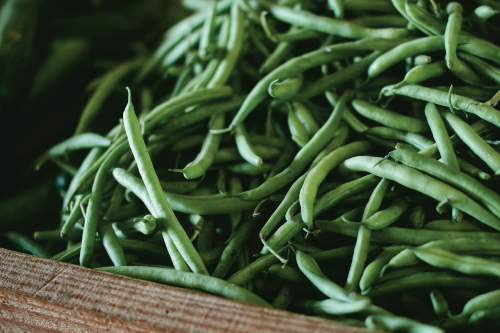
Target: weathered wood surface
<point x="42" y="295"/>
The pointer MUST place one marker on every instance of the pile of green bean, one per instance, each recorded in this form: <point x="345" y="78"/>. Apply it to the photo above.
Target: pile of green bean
<point x="336" y="158"/>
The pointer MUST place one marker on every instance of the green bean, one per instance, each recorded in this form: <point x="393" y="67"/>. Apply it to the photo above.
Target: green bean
<point x="424" y="184"/>
<point x="180" y="187"/>
<point x="340" y="253"/>
<point x="244" y="146"/>
<point x="205" y="47"/>
<point x="175" y="34"/>
<point x="439" y="303"/>
<point x="489" y="155"/>
<point x="417" y="217"/>
<point x="372" y="271"/>
<point x="235" y="187"/>
<point x="205" y="157"/>
<point x="233" y="48"/>
<point x="259" y="139"/>
<point x="483" y="67"/>
<point x="303" y="157"/>
<point x="338" y="8"/>
<point x="426" y="280"/>
<point x="92" y="218"/>
<point x="299" y="132"/>
<point x="423" y="20"/>
<point x="77" y="142"/>
<point x="472" y="170"/>
<point x="342" y="192"/>
<point x="484" y="12"/>
<point x="317" y="174"/>
<point x="462" y="263"/>
<point x="460" y="244"/>
<point x="472" y="92"/>
<point x="187" y="280"/>
<point x="421" y="59"/>
<point x="424" y="72"/>
<point x="403" y="236"/>
<point x="182" y="48"/>
<point x="283" y="160"/>
<point x="390" y="118"/>
<point x="91" y="157"/>
<point x="331" y="306"/>
<point x="105" y="88"/>
<point x="249" y="169"/>
<point x="386" y="217"/>
<point x="441" y="136"/>
<point x="231" y="154"/>
<point x="380" y="21"/>
<point x="248" y="273"/>
<point x="488" y="317"/>
<point x="166" y="219"/>
<point x="297" y="65"/>
<point x="277" y="56"/>
<point x="364" y="235"/>
<point x="236" y="243"/>
<point x="403" y="51"/>
<point x="202" y="79"/>
<point x="441" y="98"/>
<point x="306" y="117"/>
<point x="449" y="225"/>
<point x="287" y="88"/>
<point x="458" y="179"/>
<point x="175" y="105"/>
<point x="190" y="204"/>
<point x="284" y="297"/>
<point x="415" y="139"/>
<point x="454" y="10"/>
<point x="75" y="214"/>
<point x="55" y="235"/>
<point x="296" y="35"/>
<point x="294" y="191"/>
<point x="159" y="114"/>
<point x="287" y="273"/>
<point x="145" y="225"/>
<point x="481" y="302"/>
<point x="337" y="78"/>
<point x="328" y="25"/>
<point x="188" y="142"/>
<point x="26" y="244"/>
<point x="111" y="243"/>
<point x="204" y="242"/>
<point x="311" y="270"/>
<point x="377" y="5"/>
<point x="399" y="324"/>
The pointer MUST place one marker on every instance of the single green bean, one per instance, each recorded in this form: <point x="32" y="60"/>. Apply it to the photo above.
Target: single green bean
<point x="328" y="25"/>
<point x="202" y="204"/>
<point x="390" y="118"/>
<point x="166" y="219"/>
<point x="462" y="263"/>
<point x="287" y="88"/>
<point x="403" y="236"/>
<point x="317" y="174"/>
<point x="187" y="280"/>
<point x="487" y="153"/>
<point x="443" y="172"/>
<point x="311" y="270"/>
<point x="92" y="217"/>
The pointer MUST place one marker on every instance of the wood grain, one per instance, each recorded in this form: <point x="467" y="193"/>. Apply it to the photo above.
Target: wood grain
<point x="42" y="295"/>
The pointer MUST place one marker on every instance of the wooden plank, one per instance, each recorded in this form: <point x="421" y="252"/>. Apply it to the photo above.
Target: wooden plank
<point x="43" y="295"/>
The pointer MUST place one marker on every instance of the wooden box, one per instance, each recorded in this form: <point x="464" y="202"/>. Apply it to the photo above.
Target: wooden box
<point x="43" y="295"/>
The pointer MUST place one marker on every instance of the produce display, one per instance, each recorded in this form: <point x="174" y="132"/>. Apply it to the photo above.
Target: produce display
<point x="334" y="158"/>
